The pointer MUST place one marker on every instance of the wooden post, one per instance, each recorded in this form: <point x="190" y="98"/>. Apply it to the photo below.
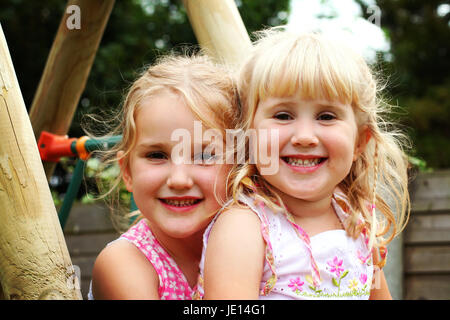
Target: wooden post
<point x="219" y="29"/>
<point x="34" y="260"/>
<point x="68" y="66"/>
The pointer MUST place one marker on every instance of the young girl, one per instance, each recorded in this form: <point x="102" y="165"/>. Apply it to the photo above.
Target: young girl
<point x="158" y="257"/>
<point x="309" y="231"/>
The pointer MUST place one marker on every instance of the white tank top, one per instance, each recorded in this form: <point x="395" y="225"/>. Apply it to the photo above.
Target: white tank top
<point x="329" y="265"/>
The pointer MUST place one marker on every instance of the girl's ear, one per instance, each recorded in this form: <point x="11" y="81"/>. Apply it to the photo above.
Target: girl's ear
<point x="364" y="138"/>
<point x="126" y="175"/>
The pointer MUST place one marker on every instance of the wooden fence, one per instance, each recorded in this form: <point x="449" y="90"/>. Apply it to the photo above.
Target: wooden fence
<point x="87" y="232"/>
<point x="426" y="240"/>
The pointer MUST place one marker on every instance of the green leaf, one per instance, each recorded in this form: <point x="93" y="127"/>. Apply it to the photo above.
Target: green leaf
<point x="335" y="282"/>
<point x="344" y="275"/>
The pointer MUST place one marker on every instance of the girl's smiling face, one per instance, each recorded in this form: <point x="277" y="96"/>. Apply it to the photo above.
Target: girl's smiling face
<point x="318" y="142"/>
<point x="177" y="199"/>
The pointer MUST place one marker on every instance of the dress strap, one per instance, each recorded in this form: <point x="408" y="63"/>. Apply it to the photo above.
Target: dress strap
<point x="306" y="240"/>
<point x="257" y="207"/>
<point x="270" y="283"/>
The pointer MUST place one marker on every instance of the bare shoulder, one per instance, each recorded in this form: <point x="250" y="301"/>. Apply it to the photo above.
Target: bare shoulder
<point x="237" y="217"/>
<point x="234" y="256"/>
<point x="235" y="224"/>
<point x="234" y="228"/>
<point x="121" y="271"/>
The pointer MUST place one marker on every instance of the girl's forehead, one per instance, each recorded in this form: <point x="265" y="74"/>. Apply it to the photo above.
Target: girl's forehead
<point x="163" y="119"/>
<point x="174" y="103"/>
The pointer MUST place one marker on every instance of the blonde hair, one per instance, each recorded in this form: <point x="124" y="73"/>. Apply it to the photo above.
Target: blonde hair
<point x="314" y="66"/>
<point x="207" y="88"/>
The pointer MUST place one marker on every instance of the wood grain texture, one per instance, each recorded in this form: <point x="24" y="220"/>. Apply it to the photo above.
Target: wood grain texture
<point x="219" y="29"/>
<point x="67" y="69"/>
<point x="427" y="259"/>
<point x="34" y="260"/>
<point x="428" y="228"/>
<point x="427" y="238"/>
<point x="427" y="287"/>
<point x="431" y="191"/>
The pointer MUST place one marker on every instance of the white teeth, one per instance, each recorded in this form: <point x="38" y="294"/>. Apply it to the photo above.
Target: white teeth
<point x="180" y="203"/>
<point x="303" y="163"/>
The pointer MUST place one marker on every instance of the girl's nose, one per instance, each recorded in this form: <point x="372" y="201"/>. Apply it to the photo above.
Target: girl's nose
<point x="179" y="178"/>
<point x="304" y="135"/>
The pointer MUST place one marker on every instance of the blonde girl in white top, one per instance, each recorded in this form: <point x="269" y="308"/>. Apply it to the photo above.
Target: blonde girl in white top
<point x="314" y="229"/>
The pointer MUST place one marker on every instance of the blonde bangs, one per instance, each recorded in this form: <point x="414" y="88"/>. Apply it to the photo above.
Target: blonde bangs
<point x="308" y="66"/>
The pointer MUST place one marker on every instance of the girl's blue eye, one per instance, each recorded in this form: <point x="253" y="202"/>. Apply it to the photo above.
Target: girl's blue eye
<point x="283" y="116"/>
<point x="205" y="157"/>
<point x="326" y="117"/>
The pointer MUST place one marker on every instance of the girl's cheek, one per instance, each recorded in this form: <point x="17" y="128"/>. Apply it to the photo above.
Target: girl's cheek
<point x="205" y="176"/>
<point x="217" y="177"/>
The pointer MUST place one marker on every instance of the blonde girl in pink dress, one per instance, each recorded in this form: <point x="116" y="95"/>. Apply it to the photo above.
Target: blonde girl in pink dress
<point x="177" y="190"/>
<point x="312" y="228"/>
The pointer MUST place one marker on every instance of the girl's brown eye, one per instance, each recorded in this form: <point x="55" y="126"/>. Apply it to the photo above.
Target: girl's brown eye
<point x="156" y="155"/>
<point x="326" y="117"/>
<point x="283" y="116"/>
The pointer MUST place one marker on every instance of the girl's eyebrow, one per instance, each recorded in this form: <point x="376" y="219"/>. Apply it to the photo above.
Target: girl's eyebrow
<point x="158" y="145"/>
<point x="203" y="145"/>
<point x="150" y="145"/>
<point x="330" y="104"/>
<point x="281" y="104"/>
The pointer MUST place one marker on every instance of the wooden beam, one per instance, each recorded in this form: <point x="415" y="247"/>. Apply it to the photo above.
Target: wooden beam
<point x="219" y="29"/>
<point x="34" y="260"/>
<point x="68" y="66"/>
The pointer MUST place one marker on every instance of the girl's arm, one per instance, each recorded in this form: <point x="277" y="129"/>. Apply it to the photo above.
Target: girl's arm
<point x="234" y="256"/>
<point x="381" y="290"/>
<point x="122" y="272"/>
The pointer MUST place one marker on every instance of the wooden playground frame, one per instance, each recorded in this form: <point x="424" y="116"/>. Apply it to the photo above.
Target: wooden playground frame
<point x="34" y="260"/>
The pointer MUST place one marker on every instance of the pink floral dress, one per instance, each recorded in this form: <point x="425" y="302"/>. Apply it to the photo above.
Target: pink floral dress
<point x="329" y="265"/>
<point x="173" y="285"/>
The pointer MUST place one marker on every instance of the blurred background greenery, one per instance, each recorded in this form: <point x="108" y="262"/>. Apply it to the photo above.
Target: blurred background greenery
<point x="419" y="69"/>
<point x="417" y="63"/>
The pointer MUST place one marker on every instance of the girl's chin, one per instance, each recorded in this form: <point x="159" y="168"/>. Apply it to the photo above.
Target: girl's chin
<point x="185" y="234"/>
<point x="306" y="193"/>
<point x="180" y="231"/>
<point x="299" y="189"/>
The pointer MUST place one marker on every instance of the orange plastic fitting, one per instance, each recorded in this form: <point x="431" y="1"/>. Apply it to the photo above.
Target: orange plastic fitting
<point x="52" y="147"/>
<point x="81" y="148"/>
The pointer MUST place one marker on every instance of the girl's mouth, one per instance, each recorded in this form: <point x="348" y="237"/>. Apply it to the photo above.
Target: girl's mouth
<point x="303" y="162"/>
<point x="304" y="165"/>
<point x="180" y="204"/>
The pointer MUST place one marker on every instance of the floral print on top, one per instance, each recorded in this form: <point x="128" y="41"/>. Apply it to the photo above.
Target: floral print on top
<point x="329" y="265"/>
<point x="173" y="285"/>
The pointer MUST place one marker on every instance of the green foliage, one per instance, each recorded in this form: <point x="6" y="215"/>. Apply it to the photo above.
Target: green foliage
<point x="419" y="73"/>
<point x="97" y="175"/>
<point x="30" y="27"/>
<point x="259" y="14"/>
<point x="420" y="164"/>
